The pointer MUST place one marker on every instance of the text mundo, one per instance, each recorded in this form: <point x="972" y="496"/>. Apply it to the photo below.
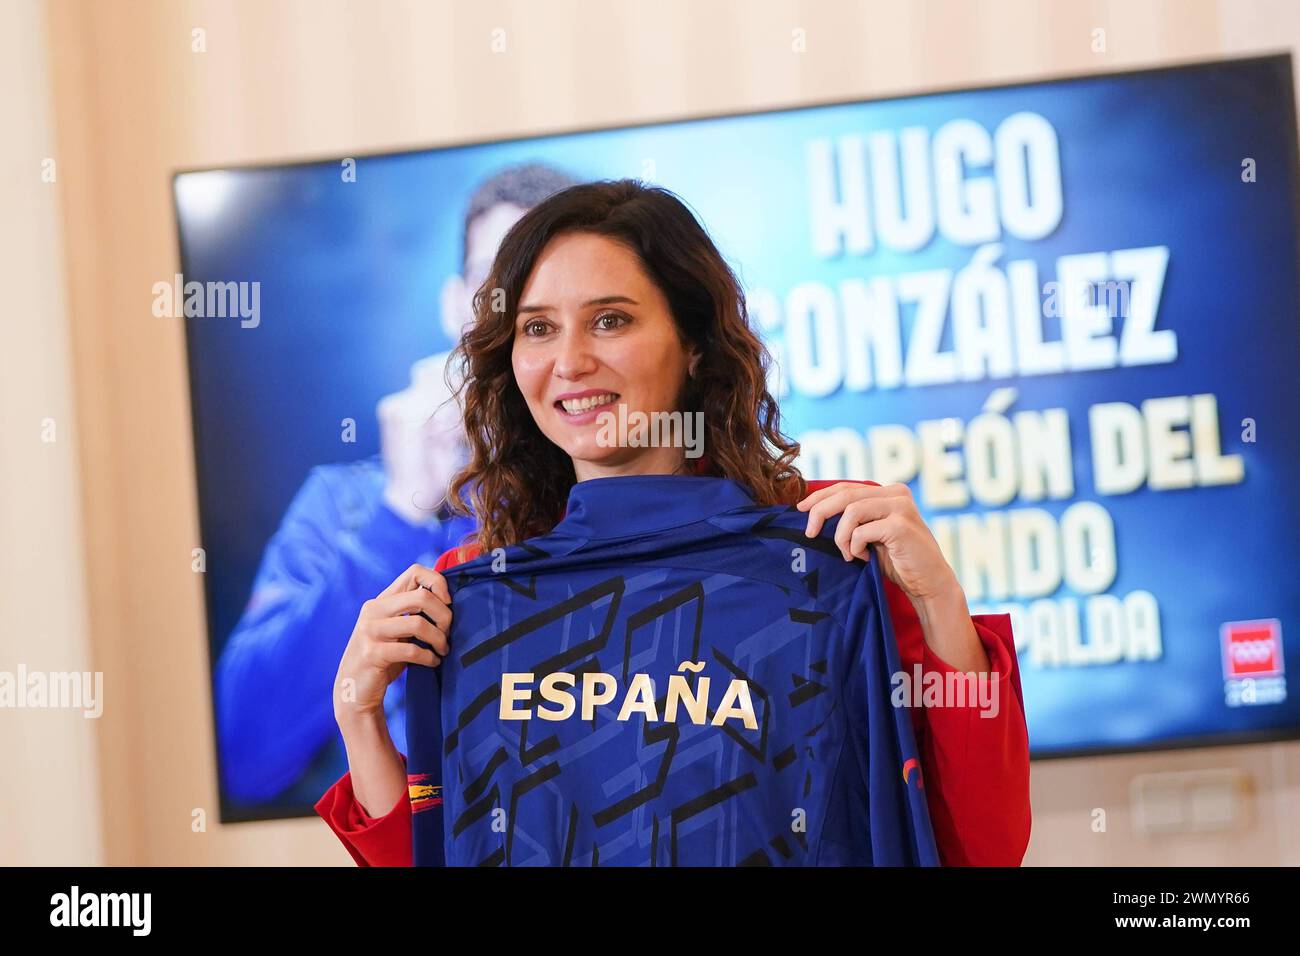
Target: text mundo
<point x="75" y="908"/>
<point x="68" y="690"/>
<point x="1017" y="559"/>
<point x="637" y="429"/>
<point x="212" y="300"/>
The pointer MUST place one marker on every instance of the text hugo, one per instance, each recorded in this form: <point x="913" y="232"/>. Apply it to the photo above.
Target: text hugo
<point x="600" y="689"/>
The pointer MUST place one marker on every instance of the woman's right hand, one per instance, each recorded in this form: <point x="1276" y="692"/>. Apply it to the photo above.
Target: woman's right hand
<point x="415" y="605"/>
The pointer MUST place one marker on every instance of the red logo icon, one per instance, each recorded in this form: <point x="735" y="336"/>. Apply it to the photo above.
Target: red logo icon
<point x="1251" y="649"/>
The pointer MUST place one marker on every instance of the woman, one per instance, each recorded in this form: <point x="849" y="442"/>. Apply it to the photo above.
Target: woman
<point x="610" y="294"/>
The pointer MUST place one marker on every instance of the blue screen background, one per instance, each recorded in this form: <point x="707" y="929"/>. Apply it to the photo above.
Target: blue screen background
<point x="350" y="276"/>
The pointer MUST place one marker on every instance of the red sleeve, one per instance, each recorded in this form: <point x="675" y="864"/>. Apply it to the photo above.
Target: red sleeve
<point x="448" y="559"/>
<point x="372" y="841"/>
<point x="975" y="767"/>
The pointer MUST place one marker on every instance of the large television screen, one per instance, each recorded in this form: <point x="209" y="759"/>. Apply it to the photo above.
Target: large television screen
<point x="1065" y="313"/>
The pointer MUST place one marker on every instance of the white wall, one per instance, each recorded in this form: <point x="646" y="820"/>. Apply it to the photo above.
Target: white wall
<point x="49" y="779"/>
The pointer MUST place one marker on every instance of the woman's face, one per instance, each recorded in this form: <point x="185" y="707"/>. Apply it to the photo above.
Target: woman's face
<point x="593" y="332"/>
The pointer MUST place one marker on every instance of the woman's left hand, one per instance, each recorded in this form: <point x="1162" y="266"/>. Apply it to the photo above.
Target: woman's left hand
<point x="909" y="556"/>
<point x="884" y="515"/>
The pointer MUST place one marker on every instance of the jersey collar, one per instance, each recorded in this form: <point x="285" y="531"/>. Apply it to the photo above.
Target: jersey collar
<point x="626" y="505"/>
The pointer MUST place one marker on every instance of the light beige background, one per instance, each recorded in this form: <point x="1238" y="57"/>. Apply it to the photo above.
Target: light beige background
<point x="98" y="526"/>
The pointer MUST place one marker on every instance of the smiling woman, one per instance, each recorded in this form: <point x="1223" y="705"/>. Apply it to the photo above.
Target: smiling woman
<point x="607" y="301"/>
<point x="609" y="297"/>
<point x="636" y="344"/>
<point x="631" y="354"/>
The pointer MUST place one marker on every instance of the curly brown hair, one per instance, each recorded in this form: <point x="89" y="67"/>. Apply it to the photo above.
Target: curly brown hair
<point x="517" y="480"/>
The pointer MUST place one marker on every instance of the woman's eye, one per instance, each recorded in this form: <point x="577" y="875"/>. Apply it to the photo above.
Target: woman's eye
<point x="618" y="320"/>
<point x="535" y="323"/>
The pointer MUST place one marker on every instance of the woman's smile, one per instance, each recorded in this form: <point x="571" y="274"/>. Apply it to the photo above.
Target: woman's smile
<point x="580" y="408"/>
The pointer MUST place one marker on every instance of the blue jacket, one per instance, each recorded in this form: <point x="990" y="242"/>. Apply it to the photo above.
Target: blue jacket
<point x="337" y="546"/>
<point x="672" y="676"/>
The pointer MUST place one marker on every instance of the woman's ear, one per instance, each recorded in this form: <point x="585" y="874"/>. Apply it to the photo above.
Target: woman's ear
<point x="696" y="356"/>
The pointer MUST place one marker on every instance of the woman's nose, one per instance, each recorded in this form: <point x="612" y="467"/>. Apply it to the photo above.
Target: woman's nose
<point x="574" y="357"/>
